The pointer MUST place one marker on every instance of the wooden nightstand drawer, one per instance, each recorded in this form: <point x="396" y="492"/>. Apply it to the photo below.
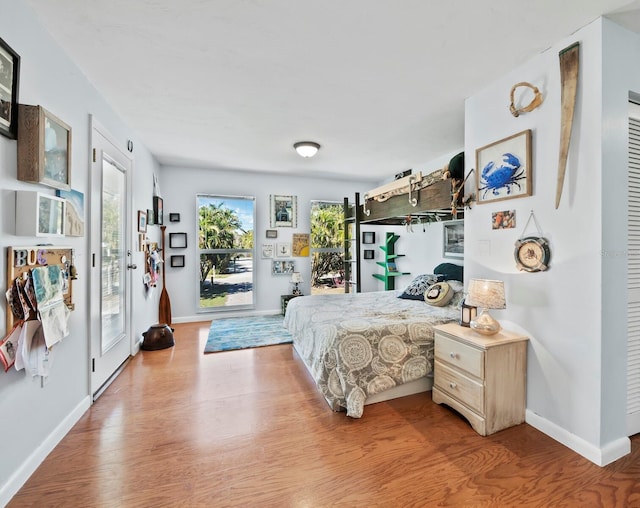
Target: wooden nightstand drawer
<point x="460" y="355"/>
<point x="466" y="390"/>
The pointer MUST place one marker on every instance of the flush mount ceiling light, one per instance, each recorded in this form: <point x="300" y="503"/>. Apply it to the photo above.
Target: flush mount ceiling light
<point x="306" y="149"/>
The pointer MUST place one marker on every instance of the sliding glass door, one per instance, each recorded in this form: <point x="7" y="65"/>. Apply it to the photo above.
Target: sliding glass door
<point x="327" y="247"/>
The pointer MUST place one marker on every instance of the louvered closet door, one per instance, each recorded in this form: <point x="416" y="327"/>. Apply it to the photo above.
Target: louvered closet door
<point x="633" y="283"/>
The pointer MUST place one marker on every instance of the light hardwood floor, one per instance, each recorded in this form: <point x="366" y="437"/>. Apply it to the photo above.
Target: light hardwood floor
<point x="248" y="428"/>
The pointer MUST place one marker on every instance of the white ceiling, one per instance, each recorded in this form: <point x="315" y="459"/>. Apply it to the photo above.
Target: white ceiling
<point x="234" y="83"/>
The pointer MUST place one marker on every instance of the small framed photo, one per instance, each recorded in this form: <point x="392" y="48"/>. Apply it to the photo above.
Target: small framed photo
<point x="282" y="267"/>
<point x="504" y="169"/>
<point x="142" y="221"/>
<point x="267" y="250"/>
<point x="283" y="250"/>
<point x="174" y="217"/>
<point x="453" y="240"/>
<point x="157" y="210"/>
<point x="369" y="253"/>
<point x="272" y="233"/>
<point x="504" y="219"/>
<point x="368" y="237"/>
<point x="177" y="261"/>
<point x="284" y="211"/>
<point x="178" y="240"/>
<point x="150" y="221"/>
<point x="9" y="84"/>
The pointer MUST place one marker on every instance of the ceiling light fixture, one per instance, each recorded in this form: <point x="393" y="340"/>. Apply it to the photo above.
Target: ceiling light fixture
<point x="306" y="149"/>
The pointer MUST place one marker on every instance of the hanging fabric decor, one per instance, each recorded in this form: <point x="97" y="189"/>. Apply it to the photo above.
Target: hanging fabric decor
<point x="532" y="253"/>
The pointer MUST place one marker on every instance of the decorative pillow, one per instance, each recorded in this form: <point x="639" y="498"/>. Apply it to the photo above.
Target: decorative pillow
<point x="439" y="295"/>
<point x="450" y="271"/>
<point x="418" y="286"/>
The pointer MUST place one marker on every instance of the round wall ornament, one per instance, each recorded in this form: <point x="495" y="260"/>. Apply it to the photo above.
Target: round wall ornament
<point x="532" y="254"/>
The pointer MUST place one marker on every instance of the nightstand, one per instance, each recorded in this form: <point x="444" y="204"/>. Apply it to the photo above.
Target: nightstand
<point x="481" y="377"/>
<point x="284" y="301"/>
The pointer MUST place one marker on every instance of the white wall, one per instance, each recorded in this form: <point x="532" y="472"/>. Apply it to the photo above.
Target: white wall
<point x="574" y="312"/>
<point x="179" y="188"/>
<point x="35" y="417"/>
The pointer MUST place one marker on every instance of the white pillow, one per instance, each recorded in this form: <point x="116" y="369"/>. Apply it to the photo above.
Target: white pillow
<point x="439" y="294"/>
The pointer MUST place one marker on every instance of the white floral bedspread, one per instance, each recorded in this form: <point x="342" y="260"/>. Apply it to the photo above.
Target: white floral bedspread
<point x="357" y="345"/>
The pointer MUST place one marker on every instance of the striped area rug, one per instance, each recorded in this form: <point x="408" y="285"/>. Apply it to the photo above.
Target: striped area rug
<point x="246" y="332"/>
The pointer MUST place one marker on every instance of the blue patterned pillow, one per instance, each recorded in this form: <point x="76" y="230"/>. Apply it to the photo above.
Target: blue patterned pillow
<point x="419" y="286"/>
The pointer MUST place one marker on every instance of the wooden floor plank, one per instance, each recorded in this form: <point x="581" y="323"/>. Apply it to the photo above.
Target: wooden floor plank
<point x="248" y="428"/>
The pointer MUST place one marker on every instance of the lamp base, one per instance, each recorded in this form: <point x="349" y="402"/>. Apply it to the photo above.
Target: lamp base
<point x="485" y="324"/>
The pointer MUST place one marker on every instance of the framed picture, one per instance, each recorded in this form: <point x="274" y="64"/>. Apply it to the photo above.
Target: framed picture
<point x="272" y="233"/>
<point x="283" y="211"/>
<point x="504" y="169"/>
<point x="178" y="240"/>
<point x="368" y="237"/>
<point x="157" y="210"/>
<point x="74" y="212"/>
<point x="301" y="244"/>
<point x="283" y="250"/>
<point x="174" y="217"/>
<point x="504" y="219"/>
<point x="177" y="261"/>
<point x="368" y="253"/>
<point x="453" y="241"/>
<point x="44" y="148"/>
<point x="9" y="84"/>
<point x="150" y="217"/>
<point x="282" y="267"/>
<point x="142" y="221"/>
<point x="267" y="250"/>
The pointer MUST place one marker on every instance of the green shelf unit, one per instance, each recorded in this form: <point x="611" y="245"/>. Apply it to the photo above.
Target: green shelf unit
<point x="390" y="270"/>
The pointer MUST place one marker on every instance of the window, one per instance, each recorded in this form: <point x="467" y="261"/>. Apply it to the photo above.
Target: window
<point x="226" y="252"/>
<point x="327" y="247"/>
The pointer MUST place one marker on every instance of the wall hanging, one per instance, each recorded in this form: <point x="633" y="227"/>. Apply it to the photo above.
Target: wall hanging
<point x="532" y="253"/>
<point x="284" y="211"/>
<point x="504" y="169"/>
<point x="9" y="83"/>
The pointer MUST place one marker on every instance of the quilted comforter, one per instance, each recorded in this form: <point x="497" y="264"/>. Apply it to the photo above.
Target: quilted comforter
<point x="357" y="345"/>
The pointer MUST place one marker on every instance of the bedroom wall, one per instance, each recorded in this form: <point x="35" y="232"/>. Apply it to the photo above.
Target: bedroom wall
<point x="179" y="188"/>
<point x="574" y="313"/>
<point x="36" y="417"/>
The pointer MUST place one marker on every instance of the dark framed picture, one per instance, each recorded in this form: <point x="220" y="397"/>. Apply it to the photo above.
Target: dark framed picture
<point x="368" y="253"/>
<point x="178" y="240"/>
<point x="272" y="233"/>
<point x="453" y="241"/>
<point x="504" y="169"/>
<point x="157" y="210"/>
<point x="174" y="217"/>
<point x="368" y="237"/>
<point x="142" y="221"/>
<point x="9" y="85"/>
<point x="177" y="261"/>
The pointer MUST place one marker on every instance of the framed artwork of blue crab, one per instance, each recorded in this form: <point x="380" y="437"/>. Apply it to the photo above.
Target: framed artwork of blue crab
<point x="504" y="169"/>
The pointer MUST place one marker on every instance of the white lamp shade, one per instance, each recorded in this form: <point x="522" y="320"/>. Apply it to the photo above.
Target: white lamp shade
<point x="486" y="294"/>
<point x="296" y="277"/>
<point x="306" y="149"/>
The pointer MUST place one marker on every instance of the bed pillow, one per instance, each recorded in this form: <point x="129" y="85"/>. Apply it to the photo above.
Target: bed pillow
<point x="439" y="294"/>
<point x="450" y="271"/>
<point x="418" y="286"/>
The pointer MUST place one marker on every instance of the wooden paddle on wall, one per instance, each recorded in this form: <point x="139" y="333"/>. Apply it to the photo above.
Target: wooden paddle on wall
<point x="569" y="59"/>
<point x="164" y="311"/>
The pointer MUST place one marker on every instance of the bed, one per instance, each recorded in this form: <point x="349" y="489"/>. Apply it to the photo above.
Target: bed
<point x="367" y="347"/>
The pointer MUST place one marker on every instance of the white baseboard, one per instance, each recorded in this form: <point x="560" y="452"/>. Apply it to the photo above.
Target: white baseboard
<point x="220" y="315"/>
<point x="22" y="474"/>
<point x="599" y="456"/>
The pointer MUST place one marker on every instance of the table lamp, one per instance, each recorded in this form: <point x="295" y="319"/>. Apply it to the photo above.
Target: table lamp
<point x="296" y="279"/>
<point x="486" y="294"/>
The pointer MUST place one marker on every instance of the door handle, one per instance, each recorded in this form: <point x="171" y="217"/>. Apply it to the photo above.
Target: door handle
<point x="132" y="267"/>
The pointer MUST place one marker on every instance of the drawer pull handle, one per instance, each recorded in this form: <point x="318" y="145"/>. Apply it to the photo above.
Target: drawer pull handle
<point x="452" y="385"/>
<point x="452" y="354"/>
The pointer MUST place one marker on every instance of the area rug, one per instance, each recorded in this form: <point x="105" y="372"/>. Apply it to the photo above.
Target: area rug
<point x="240" y="333"/>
